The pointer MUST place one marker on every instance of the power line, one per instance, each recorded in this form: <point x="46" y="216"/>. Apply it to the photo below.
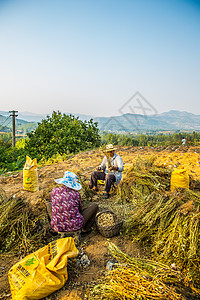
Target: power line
<point x="5" y="121"/>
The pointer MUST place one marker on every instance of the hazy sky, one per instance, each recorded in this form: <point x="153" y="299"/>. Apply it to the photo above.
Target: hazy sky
<point x="90" y="57"/>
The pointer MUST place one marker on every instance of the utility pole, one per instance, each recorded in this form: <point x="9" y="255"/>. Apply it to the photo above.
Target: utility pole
<point x="13" y="115"/>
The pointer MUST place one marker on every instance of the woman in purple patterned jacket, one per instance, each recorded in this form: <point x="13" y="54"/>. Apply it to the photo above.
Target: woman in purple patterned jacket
<point x="67" y="212"/>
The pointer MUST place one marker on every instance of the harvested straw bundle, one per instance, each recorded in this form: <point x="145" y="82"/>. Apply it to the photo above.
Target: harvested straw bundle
<point x="139" y="279"/>
<point x="3" y="196"/>
<point x="170" y="224"/>
<point x="20" y="230"/>
<point x="142" y="179"/>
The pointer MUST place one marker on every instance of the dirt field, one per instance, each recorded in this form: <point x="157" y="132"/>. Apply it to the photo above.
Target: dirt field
<point x="81" y="279"/>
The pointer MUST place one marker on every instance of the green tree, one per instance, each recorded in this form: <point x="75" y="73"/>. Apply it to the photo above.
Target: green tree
<point x="63" y="134"/>
<point x="143" y="140"/>
<point x="10" y="158"/>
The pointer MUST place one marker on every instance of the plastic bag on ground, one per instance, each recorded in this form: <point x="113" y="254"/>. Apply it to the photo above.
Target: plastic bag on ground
<point x="42" y="272"/>
<point x="179" y="179"/>
<point x="30" y="176"/>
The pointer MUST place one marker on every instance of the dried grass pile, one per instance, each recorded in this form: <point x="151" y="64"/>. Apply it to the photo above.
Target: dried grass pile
<point x="170" y="226"/>
<point x="142" y="279"/>
<point x="3" y="196"/>
<point x="142" y="179"/>
<point x="168" y="223"/>
<point x="21" y="231"/>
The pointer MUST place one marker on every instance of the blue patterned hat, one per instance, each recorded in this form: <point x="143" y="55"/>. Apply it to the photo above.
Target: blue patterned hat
<point x="70" y="180"/>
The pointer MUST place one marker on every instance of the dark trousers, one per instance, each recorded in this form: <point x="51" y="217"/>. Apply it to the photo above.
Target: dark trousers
<point x="89" y="214"/>
<point x="109" y="179"/>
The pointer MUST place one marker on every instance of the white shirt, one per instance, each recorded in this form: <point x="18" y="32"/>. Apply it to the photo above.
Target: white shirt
<point x="183" y="142"/>
<point x="116" y="161"/>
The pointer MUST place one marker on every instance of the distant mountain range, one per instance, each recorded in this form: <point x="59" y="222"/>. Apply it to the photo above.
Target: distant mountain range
<point x="172" y="120"/>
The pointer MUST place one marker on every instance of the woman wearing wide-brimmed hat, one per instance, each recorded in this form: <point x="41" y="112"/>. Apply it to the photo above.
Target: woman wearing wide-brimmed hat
<point x="67" y="209"/>
<point x="112" y="167"/>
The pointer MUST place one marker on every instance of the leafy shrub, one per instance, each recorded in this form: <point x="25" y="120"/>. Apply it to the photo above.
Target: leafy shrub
<point x="61" y="134"/>
<point x="20" y="144"/>
<point x="11" y="159"/>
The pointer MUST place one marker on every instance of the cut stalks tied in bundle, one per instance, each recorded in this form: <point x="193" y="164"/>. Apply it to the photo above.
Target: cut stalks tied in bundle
<point x="170" y="226"/>
<point x="142" y="179"/>
<point x="142" y="279"/>
<point x="20" y="230"/>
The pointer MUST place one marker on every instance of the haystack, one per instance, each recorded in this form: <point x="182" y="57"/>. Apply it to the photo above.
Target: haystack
<point x="142" y="179"/>
<point x="21" y="229"/>
<point x="135" y="278"/>
<point x="166" y="222"/>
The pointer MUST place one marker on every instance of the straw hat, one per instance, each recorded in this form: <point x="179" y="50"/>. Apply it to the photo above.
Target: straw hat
<point x="110" y="148"/>
<point x="70" y="180"/>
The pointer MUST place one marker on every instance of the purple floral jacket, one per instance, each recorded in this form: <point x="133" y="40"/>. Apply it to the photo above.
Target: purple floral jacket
<point x="66" y="207"/>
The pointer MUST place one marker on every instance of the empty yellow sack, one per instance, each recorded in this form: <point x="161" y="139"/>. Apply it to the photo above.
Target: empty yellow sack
<point x="179" y="179"/>
<point x="42" y="272"/>
<point x="30" y="176"/>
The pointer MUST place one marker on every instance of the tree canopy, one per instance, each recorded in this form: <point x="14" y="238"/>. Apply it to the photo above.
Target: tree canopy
<point x="63" y="134"/>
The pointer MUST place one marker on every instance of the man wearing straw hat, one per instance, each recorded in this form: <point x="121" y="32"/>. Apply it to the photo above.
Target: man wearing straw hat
<point x="110" y="170"/>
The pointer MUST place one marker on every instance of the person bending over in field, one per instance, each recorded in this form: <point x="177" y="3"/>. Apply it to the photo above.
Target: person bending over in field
<point x="110" y="170"/>
<point x="67" y="209"/>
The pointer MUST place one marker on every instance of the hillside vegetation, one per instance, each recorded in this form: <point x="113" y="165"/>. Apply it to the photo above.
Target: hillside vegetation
<point x="156" y="255"/>
<point x="140" y="201"/>
<point x="61" y="135"/>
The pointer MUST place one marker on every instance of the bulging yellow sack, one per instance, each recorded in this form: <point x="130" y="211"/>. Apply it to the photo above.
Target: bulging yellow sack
<point x="42" y="272"/>
<point x="179" y="179"/>
<point x="30" y="176"/>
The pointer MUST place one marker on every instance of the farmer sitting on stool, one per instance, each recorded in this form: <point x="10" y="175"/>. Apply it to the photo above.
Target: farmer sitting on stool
<point x="67" y="212"/>
<point x="110" y="170"/>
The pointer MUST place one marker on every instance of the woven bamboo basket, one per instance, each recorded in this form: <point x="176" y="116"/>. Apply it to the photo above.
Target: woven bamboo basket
<point x="109" y="231"/>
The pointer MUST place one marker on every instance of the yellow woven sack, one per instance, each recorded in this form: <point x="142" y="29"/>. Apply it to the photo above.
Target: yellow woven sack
<point x="179" y="178"/>
<point x="42" y="272"/>
<point x="30" y="176"/>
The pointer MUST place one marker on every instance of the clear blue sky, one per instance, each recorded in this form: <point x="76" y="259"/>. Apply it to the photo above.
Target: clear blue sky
<point x="90" y="57"/>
